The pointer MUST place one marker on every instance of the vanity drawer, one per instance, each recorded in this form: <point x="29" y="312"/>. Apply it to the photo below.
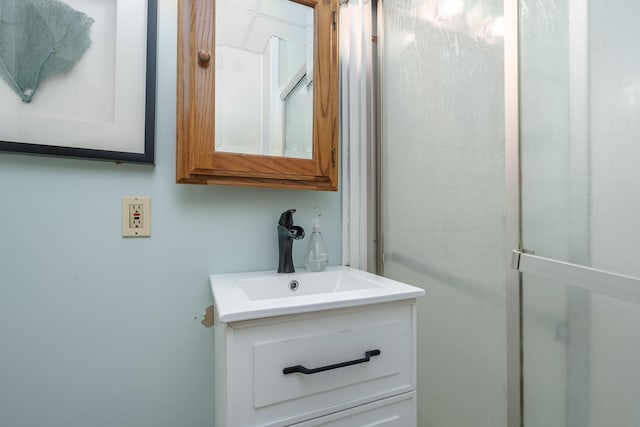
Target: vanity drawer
<point x="397" y="411"/>
<point x="257" y="353"/>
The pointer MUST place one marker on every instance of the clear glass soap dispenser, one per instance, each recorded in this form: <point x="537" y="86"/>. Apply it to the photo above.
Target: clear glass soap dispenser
<point x="316" y="256"/>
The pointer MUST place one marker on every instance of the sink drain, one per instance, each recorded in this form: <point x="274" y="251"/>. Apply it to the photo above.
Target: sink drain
<point x="294" y="285"/>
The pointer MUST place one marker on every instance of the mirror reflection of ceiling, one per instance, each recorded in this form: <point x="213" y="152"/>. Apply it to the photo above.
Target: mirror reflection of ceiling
<point x="249" y="24"/>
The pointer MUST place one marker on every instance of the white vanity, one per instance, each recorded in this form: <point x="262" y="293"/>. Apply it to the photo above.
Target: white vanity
<point x="335" y="348"/>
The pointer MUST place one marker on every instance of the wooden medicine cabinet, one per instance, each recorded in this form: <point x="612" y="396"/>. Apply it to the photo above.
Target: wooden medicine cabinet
<point x="257" y="97"/>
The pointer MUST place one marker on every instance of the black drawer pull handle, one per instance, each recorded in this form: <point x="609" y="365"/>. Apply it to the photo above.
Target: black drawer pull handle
<point x="302" y="370"/>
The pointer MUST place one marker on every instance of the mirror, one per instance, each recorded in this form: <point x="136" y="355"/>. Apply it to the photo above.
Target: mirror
<point x="264" y="78"/>
<point x="257" y="93"/>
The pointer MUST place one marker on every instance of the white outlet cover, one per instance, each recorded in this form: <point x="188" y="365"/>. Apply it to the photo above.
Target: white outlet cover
<point x="144" y="230"/>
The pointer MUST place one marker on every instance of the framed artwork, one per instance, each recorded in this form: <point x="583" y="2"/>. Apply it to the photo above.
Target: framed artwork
<point x="78" y="78"/>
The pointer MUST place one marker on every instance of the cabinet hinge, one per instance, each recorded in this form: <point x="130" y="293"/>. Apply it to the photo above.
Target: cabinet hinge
<point x="333" y="157"/>
<point x="334" y="25"/>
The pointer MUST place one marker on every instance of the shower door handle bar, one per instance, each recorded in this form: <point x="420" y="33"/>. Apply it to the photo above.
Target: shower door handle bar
<point x="302" y="370"/>
<point x="602" y="282"/>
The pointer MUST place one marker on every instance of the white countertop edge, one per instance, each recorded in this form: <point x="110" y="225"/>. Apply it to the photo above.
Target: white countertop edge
<point x="259" y="313"/>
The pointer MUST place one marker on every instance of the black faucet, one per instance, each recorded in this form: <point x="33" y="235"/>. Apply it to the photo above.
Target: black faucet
<point x="287" y="232"/>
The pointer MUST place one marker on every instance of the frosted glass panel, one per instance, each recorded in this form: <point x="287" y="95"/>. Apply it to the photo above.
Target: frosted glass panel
<point x="544" y="341"/>
<point x="580" y="103"/>
<point x="443" y="198"/>
<point x="581" y="353"/>
<point x="580" y="83"/>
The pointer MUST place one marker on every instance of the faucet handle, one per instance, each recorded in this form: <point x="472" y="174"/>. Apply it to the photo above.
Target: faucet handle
<point x="296" y="232"/>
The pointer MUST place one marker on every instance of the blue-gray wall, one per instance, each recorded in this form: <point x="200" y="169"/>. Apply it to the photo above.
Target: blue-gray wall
<point x="97" y="330"/>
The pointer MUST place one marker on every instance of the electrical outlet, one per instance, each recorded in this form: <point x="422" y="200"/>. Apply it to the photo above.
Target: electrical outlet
<point x="136" y="216"/>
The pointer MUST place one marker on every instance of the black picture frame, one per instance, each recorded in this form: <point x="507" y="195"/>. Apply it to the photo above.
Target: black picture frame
<point x="146" y="157"/>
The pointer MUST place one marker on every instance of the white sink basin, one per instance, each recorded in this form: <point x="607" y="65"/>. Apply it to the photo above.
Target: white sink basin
<point x="244" y="296"/>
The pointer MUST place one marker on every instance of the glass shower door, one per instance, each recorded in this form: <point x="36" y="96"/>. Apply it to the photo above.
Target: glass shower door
<point x="443" y="197"/>
<point x="580" y="148"/>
